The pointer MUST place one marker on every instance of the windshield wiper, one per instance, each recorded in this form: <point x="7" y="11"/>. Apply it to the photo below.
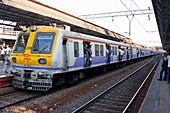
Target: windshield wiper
<point x="44" y="48"/>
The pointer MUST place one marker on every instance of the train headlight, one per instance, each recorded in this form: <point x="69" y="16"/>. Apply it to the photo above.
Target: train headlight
<point x="24" y="28"/>
<point x="14" y="60"/>
<point x="42" y="61"/>
<point x="33" y="28"/>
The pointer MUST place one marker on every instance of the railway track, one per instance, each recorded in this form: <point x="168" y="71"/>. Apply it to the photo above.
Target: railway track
<point x="16" y="97"/>
<point x="119" y="97"/>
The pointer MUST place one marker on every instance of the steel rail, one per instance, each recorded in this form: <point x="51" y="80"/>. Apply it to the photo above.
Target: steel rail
<point x="140" y="88"/>
<point x="21" y="99"/>
<point x="87" y="104"/>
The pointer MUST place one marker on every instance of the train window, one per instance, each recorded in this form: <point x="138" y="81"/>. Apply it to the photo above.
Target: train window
<point x="76" y="49"/>
<point x="43" y="43"/>
<point x="101" y="50"/>
<point x="113" y="50"/>
<point x="96" y="50"/>
<point x="116" y="49"/>
<point x="21" y="43"/>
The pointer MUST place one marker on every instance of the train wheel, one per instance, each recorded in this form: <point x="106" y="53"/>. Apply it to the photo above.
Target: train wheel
<point x="104" y="69"/>
<point x="59" y="81"/>
<point x="117" y="66"/>
<point x="81" y="75"/>
<point x="71" y="79"/>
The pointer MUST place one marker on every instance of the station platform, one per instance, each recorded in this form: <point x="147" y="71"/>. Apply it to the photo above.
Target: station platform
<point x="157" y="99"/>
<point x="3" y="67"/>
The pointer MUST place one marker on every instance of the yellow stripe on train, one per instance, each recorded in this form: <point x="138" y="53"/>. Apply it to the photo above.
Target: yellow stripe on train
<point x="28" y="57"/>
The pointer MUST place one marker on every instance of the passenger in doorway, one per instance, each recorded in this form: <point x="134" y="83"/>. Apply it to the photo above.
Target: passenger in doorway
<point x="137" y="53"/>
<point x="90" y="55"/>
<point x="164" y="68"/>
<point x="86" y="55"/>
<point x="120" y="53"/>
<point x="108" y="53"/>
<point x="127" y="52"/>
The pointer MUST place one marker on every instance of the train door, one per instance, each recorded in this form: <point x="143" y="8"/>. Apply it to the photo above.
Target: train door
<point x="65" y="60"/>
<point x="138" y="51"/>
<point x="124" y="55"/>
<point x="87" y="54"/>
<point x="127" y="53"/>
<point x="130" y="52"/>
<point x="119" y="53"/>
<point x="116" y="52"/>
<point x="134" y="52"/>
<point x="108" y="53"/>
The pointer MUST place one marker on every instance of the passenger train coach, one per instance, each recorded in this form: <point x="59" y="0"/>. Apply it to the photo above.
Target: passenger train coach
<point x="46" y="56"/>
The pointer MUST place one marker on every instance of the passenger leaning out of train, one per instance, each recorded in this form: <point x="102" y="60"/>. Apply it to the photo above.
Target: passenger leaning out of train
<point x="164" y="68"/>
<point x="127" y="53"/>
<point x="2" y="51"/>
<point x="108" y="53"/>
<point x="90" y="55"/>
<point x="137" y="52"/>
<point x="121" y="52"/>
<point x="87" y="55"/>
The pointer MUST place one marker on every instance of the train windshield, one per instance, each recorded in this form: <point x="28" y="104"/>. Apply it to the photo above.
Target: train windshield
<point x="21" y="43"/>
<point x="43" y="43"/>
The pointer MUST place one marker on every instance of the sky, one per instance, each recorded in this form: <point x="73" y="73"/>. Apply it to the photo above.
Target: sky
<point x="144" y="29"/>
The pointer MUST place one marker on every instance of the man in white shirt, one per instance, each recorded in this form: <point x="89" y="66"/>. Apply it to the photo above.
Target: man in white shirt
<point x="8" y="52"/>
<point x="121" y="53"/>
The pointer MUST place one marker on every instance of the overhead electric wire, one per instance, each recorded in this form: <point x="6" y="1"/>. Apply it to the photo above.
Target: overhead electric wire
<point x="134" y="16"/>
<point x="152" y="35"/>
<point x="137" y="6"/>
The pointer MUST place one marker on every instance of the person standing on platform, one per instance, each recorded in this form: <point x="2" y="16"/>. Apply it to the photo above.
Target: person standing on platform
<point x="164" y="67"/>
<point x="8" y="52"/>
<point x="168" y="66"/>
<point x="2" y="53"/>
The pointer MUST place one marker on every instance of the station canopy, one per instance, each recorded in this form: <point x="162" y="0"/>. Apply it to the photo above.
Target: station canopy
<point x="31" y="12"/>
<point x="162" y="13"/>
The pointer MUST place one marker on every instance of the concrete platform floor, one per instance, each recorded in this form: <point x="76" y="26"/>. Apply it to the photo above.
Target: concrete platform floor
<point x="157" y="99"/>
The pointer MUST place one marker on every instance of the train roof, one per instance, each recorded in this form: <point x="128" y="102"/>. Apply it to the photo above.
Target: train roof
<point x="91" y="38"/>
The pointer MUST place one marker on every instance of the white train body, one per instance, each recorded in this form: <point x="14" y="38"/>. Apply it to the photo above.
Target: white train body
<point x="36" y="69"/>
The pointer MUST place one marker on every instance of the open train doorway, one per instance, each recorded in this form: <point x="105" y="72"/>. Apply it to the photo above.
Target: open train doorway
<point x="87" y="54"/>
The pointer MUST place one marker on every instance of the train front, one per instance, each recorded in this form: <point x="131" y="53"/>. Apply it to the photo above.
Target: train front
<point x="31" y="60"/>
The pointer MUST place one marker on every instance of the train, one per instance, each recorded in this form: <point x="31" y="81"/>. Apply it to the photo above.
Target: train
<point x="46" y="56"/>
